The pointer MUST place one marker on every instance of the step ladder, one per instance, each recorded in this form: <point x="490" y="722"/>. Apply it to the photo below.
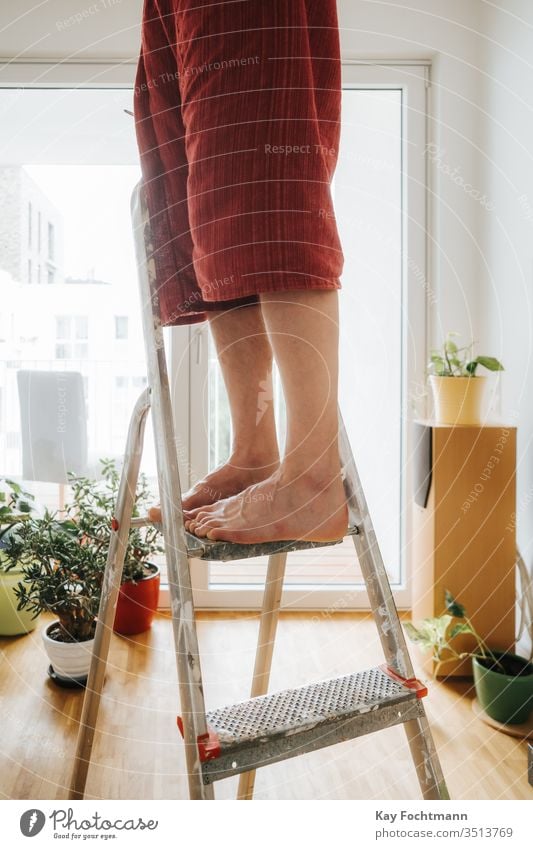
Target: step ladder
<point x="268" y="727"/>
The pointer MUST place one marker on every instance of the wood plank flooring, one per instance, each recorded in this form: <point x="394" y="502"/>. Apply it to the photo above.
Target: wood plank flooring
<point x="138" y="752"/>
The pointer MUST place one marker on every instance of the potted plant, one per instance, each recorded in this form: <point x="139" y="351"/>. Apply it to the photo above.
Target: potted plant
<point x="503" y="680"/>
<point x="15" y="505"/>
<point x="457" y="389"/>
<point x="63" y="562"/>
<point x="92" y="508"/>
<point x="63" y="573"/>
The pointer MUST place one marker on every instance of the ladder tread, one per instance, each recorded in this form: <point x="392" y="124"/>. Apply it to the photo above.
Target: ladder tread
<point x="206" y="549"/>
<point x="294" y="710"/>
<point x="267" y="729"/>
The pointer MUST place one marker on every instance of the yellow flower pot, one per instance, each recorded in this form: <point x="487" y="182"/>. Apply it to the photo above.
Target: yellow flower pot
<point x="458" y="400"/>
<point x="13" y="621"/>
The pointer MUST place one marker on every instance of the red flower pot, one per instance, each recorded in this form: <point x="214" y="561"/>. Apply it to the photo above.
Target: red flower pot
<point x="137" y="604"/>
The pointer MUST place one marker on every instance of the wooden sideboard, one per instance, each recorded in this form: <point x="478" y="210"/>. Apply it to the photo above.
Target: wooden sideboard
<point x="463" y="531"/>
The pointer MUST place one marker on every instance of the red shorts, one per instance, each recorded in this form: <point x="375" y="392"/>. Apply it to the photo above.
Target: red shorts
<point x="237" y="114"/>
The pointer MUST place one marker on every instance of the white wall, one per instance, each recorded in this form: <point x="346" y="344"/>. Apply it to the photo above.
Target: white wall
<point x="108" y="29"/>
<point x="506" y="280"/>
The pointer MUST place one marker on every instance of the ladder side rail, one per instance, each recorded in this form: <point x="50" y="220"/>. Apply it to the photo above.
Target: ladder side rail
<point x="425" y="758"/>
<point x="109" y="595"/>
<point x="182" y="604"/>
<point x="265" y="647"/>
<point x="371" y="562"/>
<point x="418" y="732"/>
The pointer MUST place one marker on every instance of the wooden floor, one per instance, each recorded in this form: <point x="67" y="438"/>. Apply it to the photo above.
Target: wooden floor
<point x="138" y="752"/>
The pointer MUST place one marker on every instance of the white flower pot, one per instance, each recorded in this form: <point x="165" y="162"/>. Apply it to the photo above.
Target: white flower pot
<point x="458" y="400"/>
<point x="69" y="660"/>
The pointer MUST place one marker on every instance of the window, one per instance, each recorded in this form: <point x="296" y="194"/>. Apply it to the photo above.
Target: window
<point x="29" y="271"/>
<point x="379" y="197"/>
<point x="39" y="225"/>
<point x="121" y="382"/>
<point x="81" y="351"/>
<point x="89" y="234"/>
<point x="51" y="241"/>
<point x="81" y="234"/>
<point x="63" y="326"/>
<point x="38" y="274"/>
<point x="121" y="327"/>
<point x="81" y="327"/>
<point x="70" y="329"/>
<point x="62" y="351"/>
<point x="30" y="221"/>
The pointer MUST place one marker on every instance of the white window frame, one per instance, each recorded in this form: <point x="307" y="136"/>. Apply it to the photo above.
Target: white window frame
<point x="191" y="344"/>
<point x="187" y="351"/>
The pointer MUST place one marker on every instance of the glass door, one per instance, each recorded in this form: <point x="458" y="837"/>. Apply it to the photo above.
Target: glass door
<point x="380" y="205"/>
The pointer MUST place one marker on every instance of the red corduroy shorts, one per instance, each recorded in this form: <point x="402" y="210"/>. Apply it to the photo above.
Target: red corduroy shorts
<point x="237" y="115"/>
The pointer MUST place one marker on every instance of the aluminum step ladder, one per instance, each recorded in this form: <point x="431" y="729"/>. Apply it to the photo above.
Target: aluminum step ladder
<point x="239" y="738"/>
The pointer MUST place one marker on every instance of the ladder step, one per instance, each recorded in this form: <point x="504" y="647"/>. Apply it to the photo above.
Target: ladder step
<point x="206" y="549"/>
<point x="271" y="728"/>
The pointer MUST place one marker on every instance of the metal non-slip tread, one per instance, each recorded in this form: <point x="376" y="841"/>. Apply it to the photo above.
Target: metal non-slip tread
<point x="293" y="710"/>
<point x="207" y="549"/>
<point x="281" y="725"/>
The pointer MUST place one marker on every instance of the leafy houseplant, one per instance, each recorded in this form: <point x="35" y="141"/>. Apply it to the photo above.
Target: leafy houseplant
<point x="15" y="506"/>
<point x="457" y="388"/>
<point x="63" y="571"/>
<point x="503" y="680"/>
<point x="63" y="575"/>
<point x="63" y="561"/>
<point x="93" y="505"/>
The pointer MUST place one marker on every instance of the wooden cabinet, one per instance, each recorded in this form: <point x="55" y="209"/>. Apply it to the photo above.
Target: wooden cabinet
<point x="463" y="533"/>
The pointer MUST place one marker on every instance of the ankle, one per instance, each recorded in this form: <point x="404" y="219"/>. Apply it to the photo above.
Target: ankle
<point x="323" y="477"/>
<point x="255" y="458"/>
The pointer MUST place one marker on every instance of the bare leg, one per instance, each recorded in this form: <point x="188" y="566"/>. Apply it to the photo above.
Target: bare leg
<point x="245" y="357"/>
<point x="304" y="498"/>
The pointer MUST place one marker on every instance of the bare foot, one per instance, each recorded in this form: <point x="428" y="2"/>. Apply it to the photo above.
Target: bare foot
<point x="304" y="508"/>
<point x="229" y="479"/>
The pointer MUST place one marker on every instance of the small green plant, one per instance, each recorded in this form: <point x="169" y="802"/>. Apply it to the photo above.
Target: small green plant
<point x="452" y="361"/>
<point x="63" y="573"/>
<point x="435" y="634"/>
<point x="92" y="508"/>
<point x="15" y="505"/>
<point x="63" y="558"/>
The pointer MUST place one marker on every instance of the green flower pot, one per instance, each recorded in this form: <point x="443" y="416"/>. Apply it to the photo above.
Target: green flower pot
<point x="13" y="621"/>
<point x="505" y="698"/>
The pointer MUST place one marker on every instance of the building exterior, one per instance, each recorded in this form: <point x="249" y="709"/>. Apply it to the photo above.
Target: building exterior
<point x="31" y="230"/>
<point x="55" y="322"/>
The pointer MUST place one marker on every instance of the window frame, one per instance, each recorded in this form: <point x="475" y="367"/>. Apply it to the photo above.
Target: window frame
<point x="187" y="346"/>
